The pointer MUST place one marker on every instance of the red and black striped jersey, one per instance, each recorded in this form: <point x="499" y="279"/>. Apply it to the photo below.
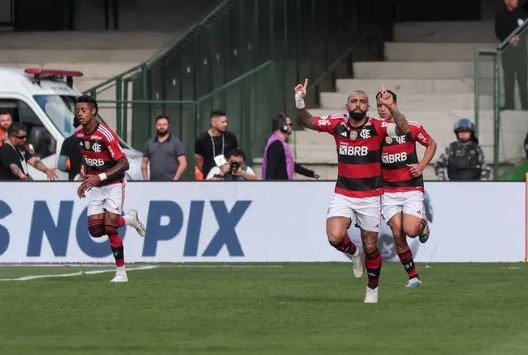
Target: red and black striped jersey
<point x="100" y="150"/>
<point x="396" y="154"/>
<point x="359" y="154"/>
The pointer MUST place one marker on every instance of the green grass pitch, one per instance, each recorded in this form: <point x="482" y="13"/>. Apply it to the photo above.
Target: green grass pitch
<point x="291" y="308"/>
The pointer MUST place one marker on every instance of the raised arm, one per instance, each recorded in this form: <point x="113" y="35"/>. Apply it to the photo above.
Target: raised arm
<point x="402" y="126"/>
<point x="303" y="115"/>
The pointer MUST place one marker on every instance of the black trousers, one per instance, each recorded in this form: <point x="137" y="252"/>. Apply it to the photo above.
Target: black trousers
<point x="514" y="64"/>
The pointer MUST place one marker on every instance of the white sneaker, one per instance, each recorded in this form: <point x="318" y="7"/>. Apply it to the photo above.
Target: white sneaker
<point x="414" y="283"/>
<point x="424" y="236"/>
<point x="357" y="263"/>
<point x="136" y="223"/>
<point x="121" y="275"/>
<point x="371" y="296"/>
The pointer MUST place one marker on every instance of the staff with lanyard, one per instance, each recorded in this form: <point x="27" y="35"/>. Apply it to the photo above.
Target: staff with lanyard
<point x="212" y="145"/>
<point x="15" y="157"/>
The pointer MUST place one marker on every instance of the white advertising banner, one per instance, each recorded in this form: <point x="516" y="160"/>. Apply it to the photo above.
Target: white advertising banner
<point x="251" y="222"/>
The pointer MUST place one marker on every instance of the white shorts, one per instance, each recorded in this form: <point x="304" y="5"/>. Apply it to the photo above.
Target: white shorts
<point x="410" y="202"/>
<point x="365" y="211"/>
<point x="108" y="198"/>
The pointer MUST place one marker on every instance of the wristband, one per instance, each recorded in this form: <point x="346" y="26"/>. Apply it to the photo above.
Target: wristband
<point x="299" y="101"/>
<point x="102" y="176"/>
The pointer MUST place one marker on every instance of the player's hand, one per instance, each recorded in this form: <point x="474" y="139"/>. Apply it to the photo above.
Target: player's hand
<point x="386" y="98"/>
<point x="416" y="169"/>
<point x="91" y="181"/>
<point x="300" y="90"/>
<point x="514" y="41"/>
<point x="23" y="177"/>
<point x="52" y="174"/>
<point x="81" y="190"/>
<point x="316" y="175"/>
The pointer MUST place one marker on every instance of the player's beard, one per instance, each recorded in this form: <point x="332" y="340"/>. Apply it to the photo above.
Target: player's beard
<point x="161" y="132"/>
<point x="356" y="116"/>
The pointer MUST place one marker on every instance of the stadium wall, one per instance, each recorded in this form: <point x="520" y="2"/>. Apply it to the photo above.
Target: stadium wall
<point x="251" y="222"/>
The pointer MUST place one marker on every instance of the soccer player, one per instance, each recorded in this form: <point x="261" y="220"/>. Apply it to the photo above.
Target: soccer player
<point x="403" y="189"/>
<point x="104" y="167"/>
<point x="357" y="194"/>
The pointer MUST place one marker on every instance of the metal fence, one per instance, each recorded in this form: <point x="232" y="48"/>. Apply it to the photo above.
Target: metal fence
<point x="501" y="101"/>
<point x="244" y="58"/>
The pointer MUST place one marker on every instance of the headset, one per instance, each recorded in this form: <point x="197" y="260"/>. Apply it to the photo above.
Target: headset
<point x="281" y="123"/>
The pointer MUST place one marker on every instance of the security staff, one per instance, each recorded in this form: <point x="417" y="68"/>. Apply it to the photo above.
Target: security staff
<point x="463" y="160"/>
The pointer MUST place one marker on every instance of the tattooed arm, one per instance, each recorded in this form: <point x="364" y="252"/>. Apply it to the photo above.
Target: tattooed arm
<point x="15" y="170"/>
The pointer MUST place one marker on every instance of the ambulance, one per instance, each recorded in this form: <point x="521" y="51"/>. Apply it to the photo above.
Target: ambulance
<point x="44" y="101"/>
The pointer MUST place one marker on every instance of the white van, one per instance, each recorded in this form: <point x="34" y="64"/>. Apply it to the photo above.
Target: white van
<point x="44" y="101"/>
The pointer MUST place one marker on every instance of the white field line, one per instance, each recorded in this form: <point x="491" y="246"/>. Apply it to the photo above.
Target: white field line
<point x="226" y="266"/>
<point x="79" y="273"/>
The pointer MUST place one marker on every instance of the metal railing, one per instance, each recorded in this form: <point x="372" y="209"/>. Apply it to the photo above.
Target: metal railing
<point x="297" y="38"/>
<point x="495" y="87"/>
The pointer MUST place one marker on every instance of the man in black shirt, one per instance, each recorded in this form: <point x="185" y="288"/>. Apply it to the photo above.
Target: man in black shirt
<point x="277" y="162"/>
<point x="70" y="155"/>
<point x="514" y="58"/>
<point x="15" y="157"/>
<point x="212" y="146"/>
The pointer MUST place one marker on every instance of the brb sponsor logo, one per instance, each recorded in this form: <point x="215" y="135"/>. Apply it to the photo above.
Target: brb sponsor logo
<point x="394" y="158"/>
<point x="165" y="222"/>
<point x="94" y="162"/>
<point x="353" y="151"/>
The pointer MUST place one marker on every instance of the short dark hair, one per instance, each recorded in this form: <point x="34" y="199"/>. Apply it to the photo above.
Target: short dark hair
<point x="217" y="114"/>
<point x="4" y="112"/>
<point x="279" y="121"/>
<point x="236" y="153"/>
<point x="161" y="117"/>
<point x="394" y="97"/>
<point x="88" y="100"/>
<point x="15" y="128"/>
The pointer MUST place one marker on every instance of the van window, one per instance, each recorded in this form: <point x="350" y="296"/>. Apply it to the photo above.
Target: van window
<point x="60" y="109"/>
<point x="39" y="137"/>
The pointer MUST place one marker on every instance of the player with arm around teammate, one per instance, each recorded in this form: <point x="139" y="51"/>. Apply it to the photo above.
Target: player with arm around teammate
<point x="357" y="196"/>
<point x="403" y="189"/>
<point x="104" y="168"/>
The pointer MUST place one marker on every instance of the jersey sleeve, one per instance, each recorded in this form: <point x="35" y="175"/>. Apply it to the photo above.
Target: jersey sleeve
<point x="419" y="134"/>
<point x="325" y="123"/>
<point x="113" y="146"/>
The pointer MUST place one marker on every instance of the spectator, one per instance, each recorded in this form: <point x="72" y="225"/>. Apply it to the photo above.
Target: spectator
<point x="15" y="157"/>
<point x="514" y="59"/>
<point x="277" y="162"/>
<point x="234" y="169"/>
<point x="164" y="154"/>
<point x="6" y="120"/>
<point x="211" y="146"/>
<point x="70" y="154"/>
<point x="464" y="158"/>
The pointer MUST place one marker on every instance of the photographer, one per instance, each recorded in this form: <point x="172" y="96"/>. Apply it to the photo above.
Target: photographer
<point x="235" y="169"/>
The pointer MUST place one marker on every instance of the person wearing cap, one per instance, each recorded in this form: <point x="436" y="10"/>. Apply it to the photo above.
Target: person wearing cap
<point x="463" y="159"/>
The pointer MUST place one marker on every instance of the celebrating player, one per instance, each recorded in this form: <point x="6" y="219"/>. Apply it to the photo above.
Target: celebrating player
<point x="403" y="189"/>
<point x="357" y="194"/>
<point x="105" y="165"/>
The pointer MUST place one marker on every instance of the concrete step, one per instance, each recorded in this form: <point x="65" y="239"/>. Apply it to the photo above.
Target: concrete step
<point x="409" y="86"/>
<point x="420" y="70"/>
<point x="434" y="52"/>
<point x="75" y="55"/>
<point x="444" y="31"/>
<point x="85" y="40"/>
<point x="415" y="102"/>
<point x="91" y="70"/>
